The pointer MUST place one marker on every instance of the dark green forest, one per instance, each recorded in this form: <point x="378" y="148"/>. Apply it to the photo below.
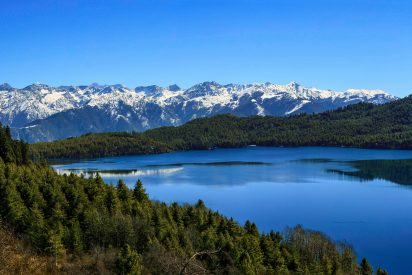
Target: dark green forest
<point x="360" y="125"/>
<point x="12" y="151"/>
<point x="82" y="225"/>
<point x="98" y="145"/>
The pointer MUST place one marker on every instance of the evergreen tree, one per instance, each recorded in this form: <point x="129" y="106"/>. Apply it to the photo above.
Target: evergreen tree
<point x="139" y="192"/>
<point x="366" y="268"/>
<point x="16" y="211"/>
<point x="76" y="238"/>
<point x="381" y="271"/>
<point x="55" y="244"/>
<point x="37" y="231"/>
<point x="251" y="228"/>
<point x="128" y="262"/>
<point x="112" y="201"/>
<point x="122" y="190"/>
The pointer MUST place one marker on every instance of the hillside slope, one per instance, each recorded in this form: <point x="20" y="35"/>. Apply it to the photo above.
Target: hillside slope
<point x="359" y="125"/>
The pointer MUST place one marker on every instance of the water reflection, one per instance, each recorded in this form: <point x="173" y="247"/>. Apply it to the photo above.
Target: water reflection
<point x="315" y="160"/>
<point x="216" y="163"/>
<point x="397" y="171"/>
<point x="119" y="173"/>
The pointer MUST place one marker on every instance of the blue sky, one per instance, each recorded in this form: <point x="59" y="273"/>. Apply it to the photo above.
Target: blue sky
<point x="332" y="44"/>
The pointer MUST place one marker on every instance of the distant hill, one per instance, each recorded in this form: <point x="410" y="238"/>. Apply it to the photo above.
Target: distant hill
<point x="360" y="125"/>
<point x="43" y="113"/>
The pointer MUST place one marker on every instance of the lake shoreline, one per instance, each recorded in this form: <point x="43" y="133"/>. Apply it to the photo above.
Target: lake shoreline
<point x="54" y="161"/>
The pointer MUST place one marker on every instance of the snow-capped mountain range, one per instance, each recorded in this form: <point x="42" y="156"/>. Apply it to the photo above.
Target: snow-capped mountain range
<point x="41" y="113"/>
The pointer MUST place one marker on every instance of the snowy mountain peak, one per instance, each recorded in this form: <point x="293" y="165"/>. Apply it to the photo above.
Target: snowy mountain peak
<point x="208" y="88"/>
<point x="36" y="86"/>
<point x="368" y="92"/>
<point x="145" y="107"/>
<point x="152" y="89"/>
<point x="5" y="87"/>
<point x="111" y="89"/>
<point x="294" y="86"/>
<point x="173" y="88"/>
<point x="206" y="85"/>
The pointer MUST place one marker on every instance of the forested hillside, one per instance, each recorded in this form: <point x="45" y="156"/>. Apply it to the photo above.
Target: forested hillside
<point x="360" y="125"/>
<point x="70" y="224"/>
<point x="99" y="145"/>
<point x="12" y="151"/>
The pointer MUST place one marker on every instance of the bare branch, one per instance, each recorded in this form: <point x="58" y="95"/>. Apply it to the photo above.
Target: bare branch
<point x="199" y="253"/>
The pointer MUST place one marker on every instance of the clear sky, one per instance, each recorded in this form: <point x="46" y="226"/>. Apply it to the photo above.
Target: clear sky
<point x="331" y="44"/>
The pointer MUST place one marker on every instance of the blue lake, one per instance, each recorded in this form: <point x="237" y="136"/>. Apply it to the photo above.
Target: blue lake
<point x="357" y="195"/>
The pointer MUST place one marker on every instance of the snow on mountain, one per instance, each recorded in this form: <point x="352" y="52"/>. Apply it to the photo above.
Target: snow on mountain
<point x="40" y="112"/>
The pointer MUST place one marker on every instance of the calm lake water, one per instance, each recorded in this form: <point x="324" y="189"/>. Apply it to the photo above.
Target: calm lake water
<point x="361" y="196"/>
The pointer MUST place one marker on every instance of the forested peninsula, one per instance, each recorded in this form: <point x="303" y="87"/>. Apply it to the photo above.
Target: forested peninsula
<point x="364" y="125"/>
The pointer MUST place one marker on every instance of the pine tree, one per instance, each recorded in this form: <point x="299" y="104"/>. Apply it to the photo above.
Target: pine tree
<point x="17" y="212"/>
<point x="251" y="228"/>
<point x="54" y="243"/>
<point x="37" y="228"/>
<point x="112" y="200"/>
<point x="366" y="268"/>
<point x="125" y="197"/>
<point x="76" y="238"/>
<point x="128" y="262"/>
<point x="381" y="271"/>
<point x="122" y="191"/>
<point x="139" y="192"/>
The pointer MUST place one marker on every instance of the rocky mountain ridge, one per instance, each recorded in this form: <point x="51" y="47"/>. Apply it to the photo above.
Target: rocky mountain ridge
<point x="40" y="112"/>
